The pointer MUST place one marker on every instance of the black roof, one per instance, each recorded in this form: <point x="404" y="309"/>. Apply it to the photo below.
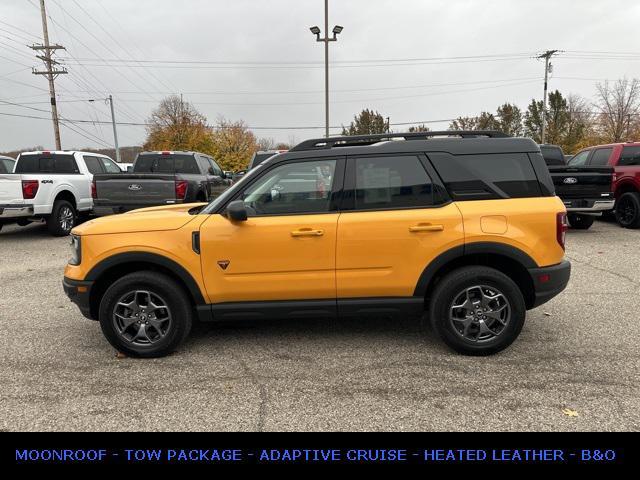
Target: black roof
<point x="453" y="142"/>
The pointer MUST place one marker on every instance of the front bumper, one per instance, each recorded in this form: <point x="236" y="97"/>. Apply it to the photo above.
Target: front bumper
<point x="79" y="292"/>
<point x="15" y="210"/>
<point x="549" y="281"/>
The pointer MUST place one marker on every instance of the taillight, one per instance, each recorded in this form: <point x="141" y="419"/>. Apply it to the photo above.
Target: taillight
<point x="29" y="189"/>
<point x="94" y="190"/>
<point x="561" y="228"/>
<point x="181" y="189"/>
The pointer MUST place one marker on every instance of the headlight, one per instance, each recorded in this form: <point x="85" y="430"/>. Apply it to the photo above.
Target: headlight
<point x="76" y="250"/>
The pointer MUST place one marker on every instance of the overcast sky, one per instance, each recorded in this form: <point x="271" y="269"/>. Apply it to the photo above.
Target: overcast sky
<point x="261" y="64"/>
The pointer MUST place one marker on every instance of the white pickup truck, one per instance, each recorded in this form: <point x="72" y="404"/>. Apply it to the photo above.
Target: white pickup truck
<point x="54" y="186"/>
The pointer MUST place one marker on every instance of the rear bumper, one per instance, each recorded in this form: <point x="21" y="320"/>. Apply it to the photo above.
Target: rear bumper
<point x="107" y="207"/>
<point x="549" y="281"/>
<point x="595" y="206"/>
<point x="15" y="210"/>
<point x="79" y="292"/>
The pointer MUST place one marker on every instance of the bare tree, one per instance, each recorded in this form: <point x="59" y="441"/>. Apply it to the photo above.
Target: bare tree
<point x="619" y="107"/>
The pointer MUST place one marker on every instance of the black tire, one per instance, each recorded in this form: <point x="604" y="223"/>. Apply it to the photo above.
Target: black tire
<point x="59" y="222"/>
<point x="175" y="317"/>
<point x="579" y="221"/>
<point x="460" y="282"/>
<point x="628" y="210"/>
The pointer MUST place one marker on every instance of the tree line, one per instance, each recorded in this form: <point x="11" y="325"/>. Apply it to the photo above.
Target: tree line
<point x="572" y="121"/>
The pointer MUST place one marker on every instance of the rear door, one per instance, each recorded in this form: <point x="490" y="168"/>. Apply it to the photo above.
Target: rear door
<point x="395" y="220"/>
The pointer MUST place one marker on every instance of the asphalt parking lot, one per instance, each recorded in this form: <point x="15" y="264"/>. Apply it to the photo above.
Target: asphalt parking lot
<point x="580" y="352"/>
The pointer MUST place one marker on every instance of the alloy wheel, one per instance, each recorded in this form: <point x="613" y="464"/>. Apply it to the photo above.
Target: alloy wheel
<point x="66" y="218"/>
<point x="141" y="317"/>
<point x="479" y="313"/>
<point x="626" y="211"/>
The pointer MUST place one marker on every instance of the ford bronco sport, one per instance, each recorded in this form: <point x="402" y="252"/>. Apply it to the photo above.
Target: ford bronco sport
<point x="462" y="226"/>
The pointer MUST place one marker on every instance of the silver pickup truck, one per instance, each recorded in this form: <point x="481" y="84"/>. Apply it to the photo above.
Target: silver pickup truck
<point x="160" y="178"/>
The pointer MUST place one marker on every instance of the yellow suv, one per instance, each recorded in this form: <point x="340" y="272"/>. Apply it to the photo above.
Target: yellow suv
<point x="462" y="226"/>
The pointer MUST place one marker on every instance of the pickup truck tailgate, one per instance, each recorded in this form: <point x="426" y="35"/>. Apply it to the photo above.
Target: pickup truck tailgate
<point x="134" y="189"/>
<point x="10" y="189"/>
<point x="581" y="182"/>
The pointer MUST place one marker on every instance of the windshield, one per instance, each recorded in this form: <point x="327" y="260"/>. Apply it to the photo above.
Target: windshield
<point x="230" y="192"/>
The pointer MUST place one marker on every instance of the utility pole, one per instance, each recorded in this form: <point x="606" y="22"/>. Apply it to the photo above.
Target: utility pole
<point x="51" y="71"/>
<point x="115" y="133"/>
<point x="547" y="56"/>
<point x="316" y="31"/>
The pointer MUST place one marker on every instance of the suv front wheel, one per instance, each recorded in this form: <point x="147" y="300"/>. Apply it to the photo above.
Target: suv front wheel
<point x="477" y="310"/>
<point x="145" y="314"/>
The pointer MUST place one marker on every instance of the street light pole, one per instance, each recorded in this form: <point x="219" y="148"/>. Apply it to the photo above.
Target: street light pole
<point x="115" y="132"/>
<point x="316" y="31"/>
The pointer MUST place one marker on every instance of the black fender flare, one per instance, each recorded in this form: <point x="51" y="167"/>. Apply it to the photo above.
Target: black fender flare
<point x="474" y="248"/>
<point x="151" y="258"/>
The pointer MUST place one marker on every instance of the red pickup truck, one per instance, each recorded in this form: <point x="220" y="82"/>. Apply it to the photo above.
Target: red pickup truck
<point x="625" y="159"/>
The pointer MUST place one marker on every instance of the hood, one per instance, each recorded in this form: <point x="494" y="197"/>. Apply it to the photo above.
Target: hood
<point x="152" y="219"/>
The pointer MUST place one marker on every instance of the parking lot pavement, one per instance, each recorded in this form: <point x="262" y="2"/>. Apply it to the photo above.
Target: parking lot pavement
<point x="580" y="351"/>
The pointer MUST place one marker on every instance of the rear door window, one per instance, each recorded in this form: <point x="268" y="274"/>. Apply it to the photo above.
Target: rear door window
<point x="579" y="159"/>
<point x="110" y="166"/>
<point x="600" y="157"/>
<point x="93" y="165"/>
<point x="487" y="176"/>
<point x="391" y="183"/>
<point x="630" y="157"/>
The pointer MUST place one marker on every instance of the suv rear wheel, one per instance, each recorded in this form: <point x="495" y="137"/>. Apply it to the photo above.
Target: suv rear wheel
<point x="579" y="221"/>
<point x="628" y="210"/>
<point x="62" y="219"/>
<point x="477" y="310"/>
<point x="145" y="314"/>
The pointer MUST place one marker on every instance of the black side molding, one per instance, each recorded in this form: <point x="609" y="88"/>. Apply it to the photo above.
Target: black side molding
<point x="153" y="259"/>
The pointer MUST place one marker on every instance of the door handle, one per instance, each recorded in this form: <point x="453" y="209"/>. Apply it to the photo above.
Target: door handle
<point x="307" y="232"/>
<point x="426" y="227"/>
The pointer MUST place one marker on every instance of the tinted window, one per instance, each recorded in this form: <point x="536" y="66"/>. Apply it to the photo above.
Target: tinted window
<point x="630" y="156"/>
<point x="303" y="187"/>
<point x="34" y="163"/>
<point x="152" y="163"/>
<point x="216" y="168"/>
<point x="601" y="157"/>
<point x="3" y="167"/>
<point x="552" y="155"/>
<point x="477" y="177"/>
<point x="93" y="165"/>
<point x="580" y="159"/>
<point x="8" y="165"/>
<point x="110" y="166"/>
<point x="391" y="182"/>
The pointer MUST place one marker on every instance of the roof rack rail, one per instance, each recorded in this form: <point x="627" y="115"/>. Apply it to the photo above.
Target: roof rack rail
<point x="363" y="140"/>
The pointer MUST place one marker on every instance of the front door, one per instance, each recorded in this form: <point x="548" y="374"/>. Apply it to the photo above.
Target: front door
<point x="396" y="221"/>
<point x="286" y="248"/>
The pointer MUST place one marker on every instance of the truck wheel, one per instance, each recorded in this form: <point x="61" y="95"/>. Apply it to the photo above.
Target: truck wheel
<point x="145" y="314"/>
<point x="477" y="310"/>
<point x="62" y="219"/>
<point x="628" y="210"/>
<point x="580" y="222"/>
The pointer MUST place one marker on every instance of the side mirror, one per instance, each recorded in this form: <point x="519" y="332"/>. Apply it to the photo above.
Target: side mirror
<point x="236" y="211"/>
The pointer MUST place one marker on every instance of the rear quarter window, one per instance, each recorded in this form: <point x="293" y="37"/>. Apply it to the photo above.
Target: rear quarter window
<point x="487" y="176"/>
